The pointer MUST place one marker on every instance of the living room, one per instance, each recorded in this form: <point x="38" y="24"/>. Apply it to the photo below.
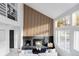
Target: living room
<point x="39" y="29"/>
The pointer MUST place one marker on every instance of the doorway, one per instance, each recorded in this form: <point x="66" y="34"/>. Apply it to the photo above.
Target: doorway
<point x="11" y="41"/>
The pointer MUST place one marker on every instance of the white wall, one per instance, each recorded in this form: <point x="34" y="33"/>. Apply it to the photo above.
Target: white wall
<point x="4" y="48"/>
<point x="7" y="24"/>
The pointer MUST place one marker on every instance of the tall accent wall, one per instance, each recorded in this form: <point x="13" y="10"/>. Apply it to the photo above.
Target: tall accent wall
<point x="35" y="23"/>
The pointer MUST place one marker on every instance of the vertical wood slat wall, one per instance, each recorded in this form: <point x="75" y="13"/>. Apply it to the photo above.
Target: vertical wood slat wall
<point x="35" y="23"/>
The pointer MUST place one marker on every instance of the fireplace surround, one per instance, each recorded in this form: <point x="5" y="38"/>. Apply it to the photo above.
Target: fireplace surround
<point x="29" y="42"/>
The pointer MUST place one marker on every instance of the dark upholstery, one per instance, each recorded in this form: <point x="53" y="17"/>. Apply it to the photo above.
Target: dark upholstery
<point x="35" y="51"/>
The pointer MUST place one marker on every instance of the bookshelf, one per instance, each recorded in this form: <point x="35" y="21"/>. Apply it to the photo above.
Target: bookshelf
<point x="9" y="10"/>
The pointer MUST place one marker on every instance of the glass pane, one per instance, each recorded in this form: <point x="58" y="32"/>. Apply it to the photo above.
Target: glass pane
<point x="67" y="40"/>
<point x="64" y="39"/>
<point x="56" y="37"/>
<point x="75" y="18"/>
<point x="76" y="40"/>
<point x="60" y="23"/>
<point x="61" y="39"/>
<point x="67" y="20"/>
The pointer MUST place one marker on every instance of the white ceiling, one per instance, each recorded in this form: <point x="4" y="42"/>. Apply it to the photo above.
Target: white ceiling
<point x="52" y="10"/>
